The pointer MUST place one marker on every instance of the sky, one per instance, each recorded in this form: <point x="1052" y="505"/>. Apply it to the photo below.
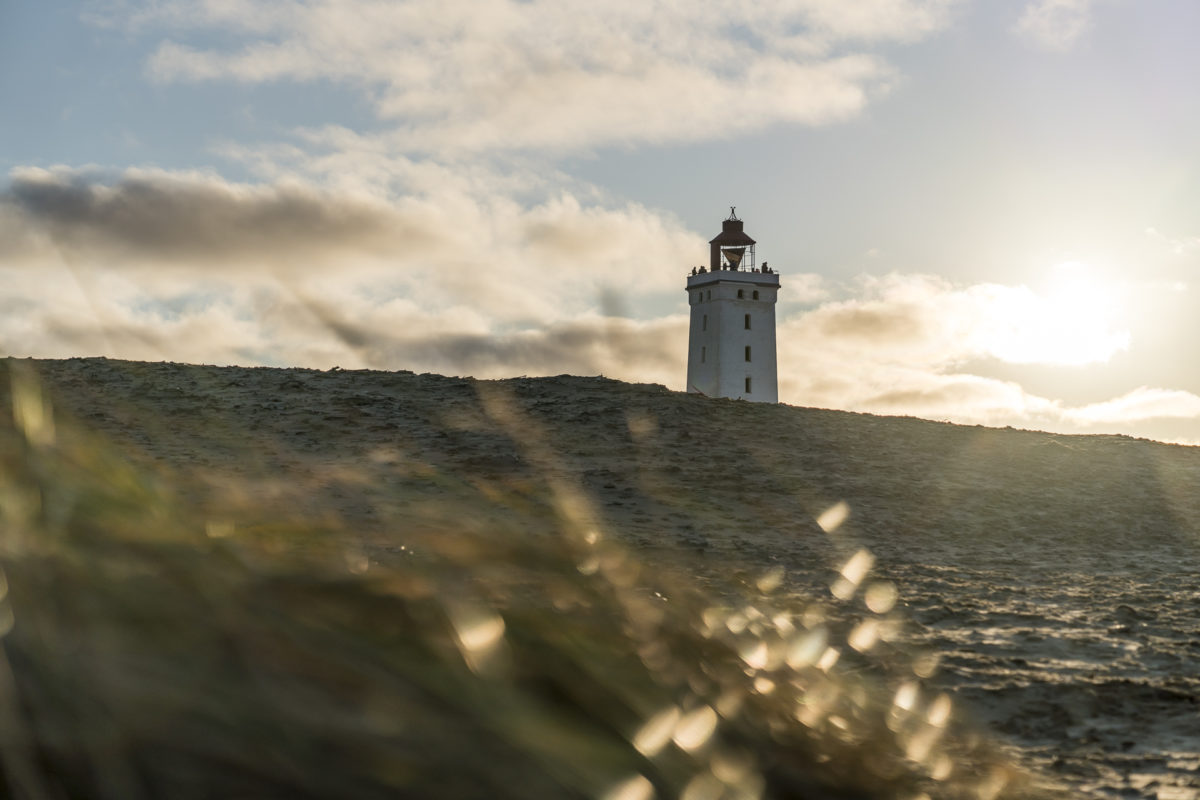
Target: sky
<point x="981" y="211"/>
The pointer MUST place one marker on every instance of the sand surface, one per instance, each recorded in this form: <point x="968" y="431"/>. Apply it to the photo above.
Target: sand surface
<point x="1057" y="578"/>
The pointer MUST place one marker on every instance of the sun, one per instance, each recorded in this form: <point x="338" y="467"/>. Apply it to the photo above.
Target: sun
<point x="1072" y="321"/>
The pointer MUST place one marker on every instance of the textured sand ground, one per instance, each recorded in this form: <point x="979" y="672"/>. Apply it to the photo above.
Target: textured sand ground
<point x="1056" y="577"/>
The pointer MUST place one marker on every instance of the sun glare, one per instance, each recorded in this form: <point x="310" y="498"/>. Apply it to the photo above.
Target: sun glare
<point x="1072" y="322"/>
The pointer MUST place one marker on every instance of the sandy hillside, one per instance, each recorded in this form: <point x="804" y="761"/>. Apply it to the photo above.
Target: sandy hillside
<point x="1056" y="578"/>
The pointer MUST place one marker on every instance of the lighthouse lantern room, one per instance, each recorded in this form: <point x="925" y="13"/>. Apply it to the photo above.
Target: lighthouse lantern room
<point x="731" y="345"/>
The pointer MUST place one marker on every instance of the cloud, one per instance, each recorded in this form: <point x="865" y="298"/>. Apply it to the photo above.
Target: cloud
<point x="635" y="350"/>
<point x="470" y="76"/>
<point x="184" y="218"/>
<point x="1055" y="24"/>
<point x="926" y="320"/>
<point x="446" y="243"/>
<point x="1177" y="246"/>
<point x="272" y="323"/>
<point x="151" y="265"/>
<point x="958" y="397"/>
<point x="900" y="344"/>
<point x="1143" y="403"/>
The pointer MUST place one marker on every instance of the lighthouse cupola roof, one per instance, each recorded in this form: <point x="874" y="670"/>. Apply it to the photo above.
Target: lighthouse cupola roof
<point x="731" y="248"/>
<point x="731" y="234"/>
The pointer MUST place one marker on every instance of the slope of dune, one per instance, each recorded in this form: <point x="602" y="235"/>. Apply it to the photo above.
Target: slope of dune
<point x="1054" y="579"/>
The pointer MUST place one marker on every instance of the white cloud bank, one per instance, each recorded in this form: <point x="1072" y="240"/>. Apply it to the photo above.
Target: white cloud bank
<point x="1142" y="403"/>
<point x="487" y="75"/>
<point x="151" y="265"/>
<point x="899" y="343"/>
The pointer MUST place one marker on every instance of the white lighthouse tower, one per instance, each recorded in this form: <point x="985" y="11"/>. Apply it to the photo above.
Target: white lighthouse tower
<point x="731" y="346"/>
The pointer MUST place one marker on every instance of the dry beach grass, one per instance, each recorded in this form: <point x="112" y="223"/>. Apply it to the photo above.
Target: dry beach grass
<point x="269" y="582"/>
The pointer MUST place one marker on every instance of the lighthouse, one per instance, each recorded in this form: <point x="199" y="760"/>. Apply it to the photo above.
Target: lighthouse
<point x="731" y="344"/>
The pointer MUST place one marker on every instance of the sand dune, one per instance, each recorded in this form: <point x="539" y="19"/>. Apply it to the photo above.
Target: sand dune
<point x="1055" y="578"/>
